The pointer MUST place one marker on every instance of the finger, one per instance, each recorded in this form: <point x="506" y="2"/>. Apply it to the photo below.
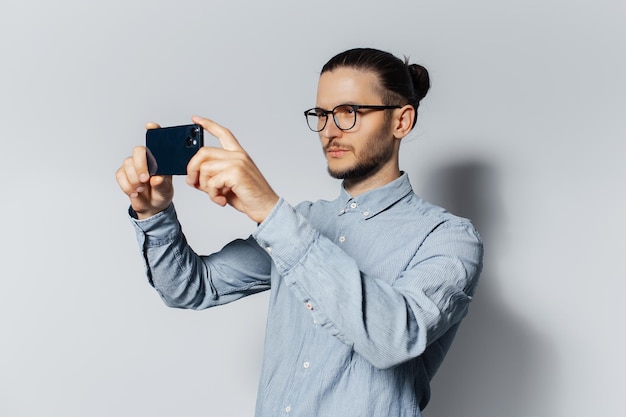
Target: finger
<point x="157" y="181"/>
<point x="152" y="125"/>
<point x="211" y="160"/>
<point x="217" y="189"/>
<point x="209" y="154"/>
<point x="225" y="136"/>
<point x="140" y="162"/>
<point x="195" y="163"/>
<point x="125" y="184"/>
<point x="193" y="178"/>
<point x="193" y="169"/>
<point x="122" y="180"/>
<point x="131" y="173"/>
<point x="207" y="162"/>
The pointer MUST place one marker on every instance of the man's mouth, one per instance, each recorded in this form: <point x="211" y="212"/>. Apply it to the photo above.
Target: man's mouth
<point x="336" y="152"/>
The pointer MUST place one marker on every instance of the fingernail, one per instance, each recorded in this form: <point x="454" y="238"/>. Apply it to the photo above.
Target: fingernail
<point x="144" y="177"/>
<point x="140" y="189"/>
<point x="134" y="195"/>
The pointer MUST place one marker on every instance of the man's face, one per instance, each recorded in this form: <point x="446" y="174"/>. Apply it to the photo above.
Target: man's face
<point x="369" y="146"/>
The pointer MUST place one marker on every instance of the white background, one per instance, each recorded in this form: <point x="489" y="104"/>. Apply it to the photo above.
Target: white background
<point x="523" y="130"/>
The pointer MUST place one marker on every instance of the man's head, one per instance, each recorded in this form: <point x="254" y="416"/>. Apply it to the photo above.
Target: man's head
<point x="382" y="93"/>
<point x="399" y="81"/>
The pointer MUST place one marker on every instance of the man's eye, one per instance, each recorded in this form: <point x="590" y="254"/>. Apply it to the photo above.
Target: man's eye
<point x="344" y="110"/>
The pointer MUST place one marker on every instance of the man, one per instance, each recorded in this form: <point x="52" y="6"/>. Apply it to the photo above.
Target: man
<point x="367" y="291"/>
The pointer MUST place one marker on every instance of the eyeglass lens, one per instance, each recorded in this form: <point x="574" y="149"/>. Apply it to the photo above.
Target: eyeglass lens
<point x="344" y="117"/>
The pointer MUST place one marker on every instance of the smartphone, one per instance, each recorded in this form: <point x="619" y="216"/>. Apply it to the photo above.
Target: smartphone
<point x="169" y="149"/>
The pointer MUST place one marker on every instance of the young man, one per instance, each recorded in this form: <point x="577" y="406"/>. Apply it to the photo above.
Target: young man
<point x="367" y="291"/>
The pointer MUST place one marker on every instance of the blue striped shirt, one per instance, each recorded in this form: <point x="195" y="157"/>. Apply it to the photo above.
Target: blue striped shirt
<point x="366" y="296"/>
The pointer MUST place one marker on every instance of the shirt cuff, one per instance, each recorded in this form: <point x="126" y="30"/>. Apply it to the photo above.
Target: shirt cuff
<point x="286" y="236"/>
<point x="158" y="230"/>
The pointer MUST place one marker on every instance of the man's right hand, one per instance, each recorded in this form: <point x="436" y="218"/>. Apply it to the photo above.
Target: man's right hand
<point x="148" y="195"/>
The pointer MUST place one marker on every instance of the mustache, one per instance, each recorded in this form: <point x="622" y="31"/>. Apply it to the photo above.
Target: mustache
<point x="336" y="145"/>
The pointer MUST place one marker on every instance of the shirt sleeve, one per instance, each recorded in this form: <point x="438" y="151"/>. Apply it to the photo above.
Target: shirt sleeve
<point x="386" y="321"/>
<point x="185" y="279"/>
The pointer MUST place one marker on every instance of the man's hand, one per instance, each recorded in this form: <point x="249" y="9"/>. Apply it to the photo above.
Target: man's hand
<point x="148" y="195"/>
<point x="229" y="176"/>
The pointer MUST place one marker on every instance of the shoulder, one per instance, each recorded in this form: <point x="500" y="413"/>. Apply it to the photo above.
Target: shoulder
<point x="426" y="219"/>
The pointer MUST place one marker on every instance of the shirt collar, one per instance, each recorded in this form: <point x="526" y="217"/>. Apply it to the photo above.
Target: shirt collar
<point x="371" y="203"/>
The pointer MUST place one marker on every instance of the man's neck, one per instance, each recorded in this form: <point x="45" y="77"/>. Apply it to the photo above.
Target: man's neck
<point x="358" y="186"/>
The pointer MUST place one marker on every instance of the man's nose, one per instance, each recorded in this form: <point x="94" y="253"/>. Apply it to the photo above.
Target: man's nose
<point x="331" y="130"/>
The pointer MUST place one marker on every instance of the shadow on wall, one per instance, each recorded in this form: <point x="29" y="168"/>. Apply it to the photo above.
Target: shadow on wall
<point x="497" y="366"/>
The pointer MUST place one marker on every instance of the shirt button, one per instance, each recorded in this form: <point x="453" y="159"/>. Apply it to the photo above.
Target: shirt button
<point x="342" y="239"/>
<point x="268" y="249"/>
<point x="288" y="409"/>
<point x="309" y="306"/>
<point x="353" y="205"/>
<point x="366" y="213"/>
<point x="306" y="365"/>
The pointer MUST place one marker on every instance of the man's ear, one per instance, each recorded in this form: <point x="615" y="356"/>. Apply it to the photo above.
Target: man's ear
<point x="403" y="121"/>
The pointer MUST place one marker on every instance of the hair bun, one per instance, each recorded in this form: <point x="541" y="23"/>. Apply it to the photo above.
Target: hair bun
<point x="421" y="81"/>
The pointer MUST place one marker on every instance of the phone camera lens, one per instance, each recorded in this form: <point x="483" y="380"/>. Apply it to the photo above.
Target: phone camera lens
<point x="190" y="142"/>
<point x="194" y="132"/>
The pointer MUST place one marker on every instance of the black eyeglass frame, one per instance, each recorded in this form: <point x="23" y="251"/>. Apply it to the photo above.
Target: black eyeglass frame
<point x="355" y="107"/>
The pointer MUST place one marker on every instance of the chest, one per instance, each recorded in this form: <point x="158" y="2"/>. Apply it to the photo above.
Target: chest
<point x="382" y="246"/>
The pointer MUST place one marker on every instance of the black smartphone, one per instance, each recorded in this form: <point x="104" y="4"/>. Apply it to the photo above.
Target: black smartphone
<point x="169" y="149"/>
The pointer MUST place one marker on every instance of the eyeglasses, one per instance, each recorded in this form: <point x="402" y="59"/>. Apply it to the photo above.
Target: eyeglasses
<point x="344" y="115"/>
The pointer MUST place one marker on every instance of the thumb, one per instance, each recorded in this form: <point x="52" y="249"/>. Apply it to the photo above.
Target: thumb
<point x="160" y="181"/>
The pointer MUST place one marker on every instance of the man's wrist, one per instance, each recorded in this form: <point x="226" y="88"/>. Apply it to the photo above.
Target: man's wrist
<point x="144" y="215"/>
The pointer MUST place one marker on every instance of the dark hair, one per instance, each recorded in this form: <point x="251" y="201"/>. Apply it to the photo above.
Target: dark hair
<point x="401" y="81"/>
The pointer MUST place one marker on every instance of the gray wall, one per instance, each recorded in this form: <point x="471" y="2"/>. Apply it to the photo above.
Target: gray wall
<point x="523" y="131"/>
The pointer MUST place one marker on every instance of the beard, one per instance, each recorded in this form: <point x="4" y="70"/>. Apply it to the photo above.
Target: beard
<point x="378" y="150"/>
<point x="363" y="168"/>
